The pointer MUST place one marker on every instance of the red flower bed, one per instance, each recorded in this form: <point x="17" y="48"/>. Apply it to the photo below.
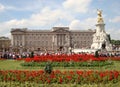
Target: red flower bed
<point x="67" y="58"/>
<point x="60" y="76"/>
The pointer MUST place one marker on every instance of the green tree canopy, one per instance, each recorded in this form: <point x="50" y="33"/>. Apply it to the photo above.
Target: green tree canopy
<point x="115" y="42"/>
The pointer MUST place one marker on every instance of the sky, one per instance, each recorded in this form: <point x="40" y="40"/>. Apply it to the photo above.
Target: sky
<point x="45" y="14"/>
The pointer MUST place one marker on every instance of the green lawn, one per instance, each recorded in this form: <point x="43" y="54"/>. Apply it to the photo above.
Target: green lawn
<point x="29" y="84"/>
<point x="15" y="65"/>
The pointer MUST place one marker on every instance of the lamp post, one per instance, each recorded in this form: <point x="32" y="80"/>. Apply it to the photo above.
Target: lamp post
<point x="71" y="45"/>
<point x="28" y="50"/>
<point x="10" y="48"/>
<point x="20" y="49"/>
<point x="52" y="46"/>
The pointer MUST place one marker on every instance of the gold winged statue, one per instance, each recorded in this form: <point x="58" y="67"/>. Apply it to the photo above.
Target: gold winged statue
<point x="99" y="19"/>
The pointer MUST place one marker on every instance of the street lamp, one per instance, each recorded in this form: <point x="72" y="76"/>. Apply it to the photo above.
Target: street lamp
<point x="52" y="46"/>
<point x="20" y="49"/>
<point x="10" y="48"/>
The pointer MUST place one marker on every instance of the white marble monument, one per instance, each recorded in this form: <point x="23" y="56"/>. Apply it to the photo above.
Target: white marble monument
<point x="100" y="38"/>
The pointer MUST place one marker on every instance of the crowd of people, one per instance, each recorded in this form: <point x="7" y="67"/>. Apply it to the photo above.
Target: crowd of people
<point x="15" y="55"/>
<point x="109" y="54"/>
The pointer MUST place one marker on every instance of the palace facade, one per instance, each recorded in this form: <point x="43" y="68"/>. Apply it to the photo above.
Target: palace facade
<point x="58" y="38"/>
<point x="5" y="43"/>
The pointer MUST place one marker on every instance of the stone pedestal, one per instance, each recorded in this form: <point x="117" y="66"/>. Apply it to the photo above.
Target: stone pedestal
<point x="100" y="38"/>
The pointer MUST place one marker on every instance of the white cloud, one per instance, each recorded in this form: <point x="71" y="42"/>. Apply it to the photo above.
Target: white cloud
<point x="80" y="6"/>
<point x="6" y="26"/>
<point x="46" y="18"/>
<point x="115" y="19"/>
<point x="75" y="24"/>
<point x="83" y="24"/>
<point x="115" y="33"/>
<point x="21" y="5"/>
<point x="2" y="7"/>
<point x="7" y="7"/>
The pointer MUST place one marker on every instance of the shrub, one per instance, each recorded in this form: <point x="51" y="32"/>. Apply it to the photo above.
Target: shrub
<point x="48" y="68"/>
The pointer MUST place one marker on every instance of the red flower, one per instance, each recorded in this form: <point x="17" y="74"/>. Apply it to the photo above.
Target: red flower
<point x="69" y="77"/>
<point x="48" y="81"/>
<point x="28" y="59"/>
<point x="102" y="74"/>
<point x="60" y="80"/>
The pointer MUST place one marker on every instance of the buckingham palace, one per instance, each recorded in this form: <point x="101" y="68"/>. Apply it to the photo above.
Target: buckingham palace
<point x="57" y="38"/>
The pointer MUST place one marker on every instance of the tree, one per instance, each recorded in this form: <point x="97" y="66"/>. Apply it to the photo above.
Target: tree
<point x="115" y="42"/>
